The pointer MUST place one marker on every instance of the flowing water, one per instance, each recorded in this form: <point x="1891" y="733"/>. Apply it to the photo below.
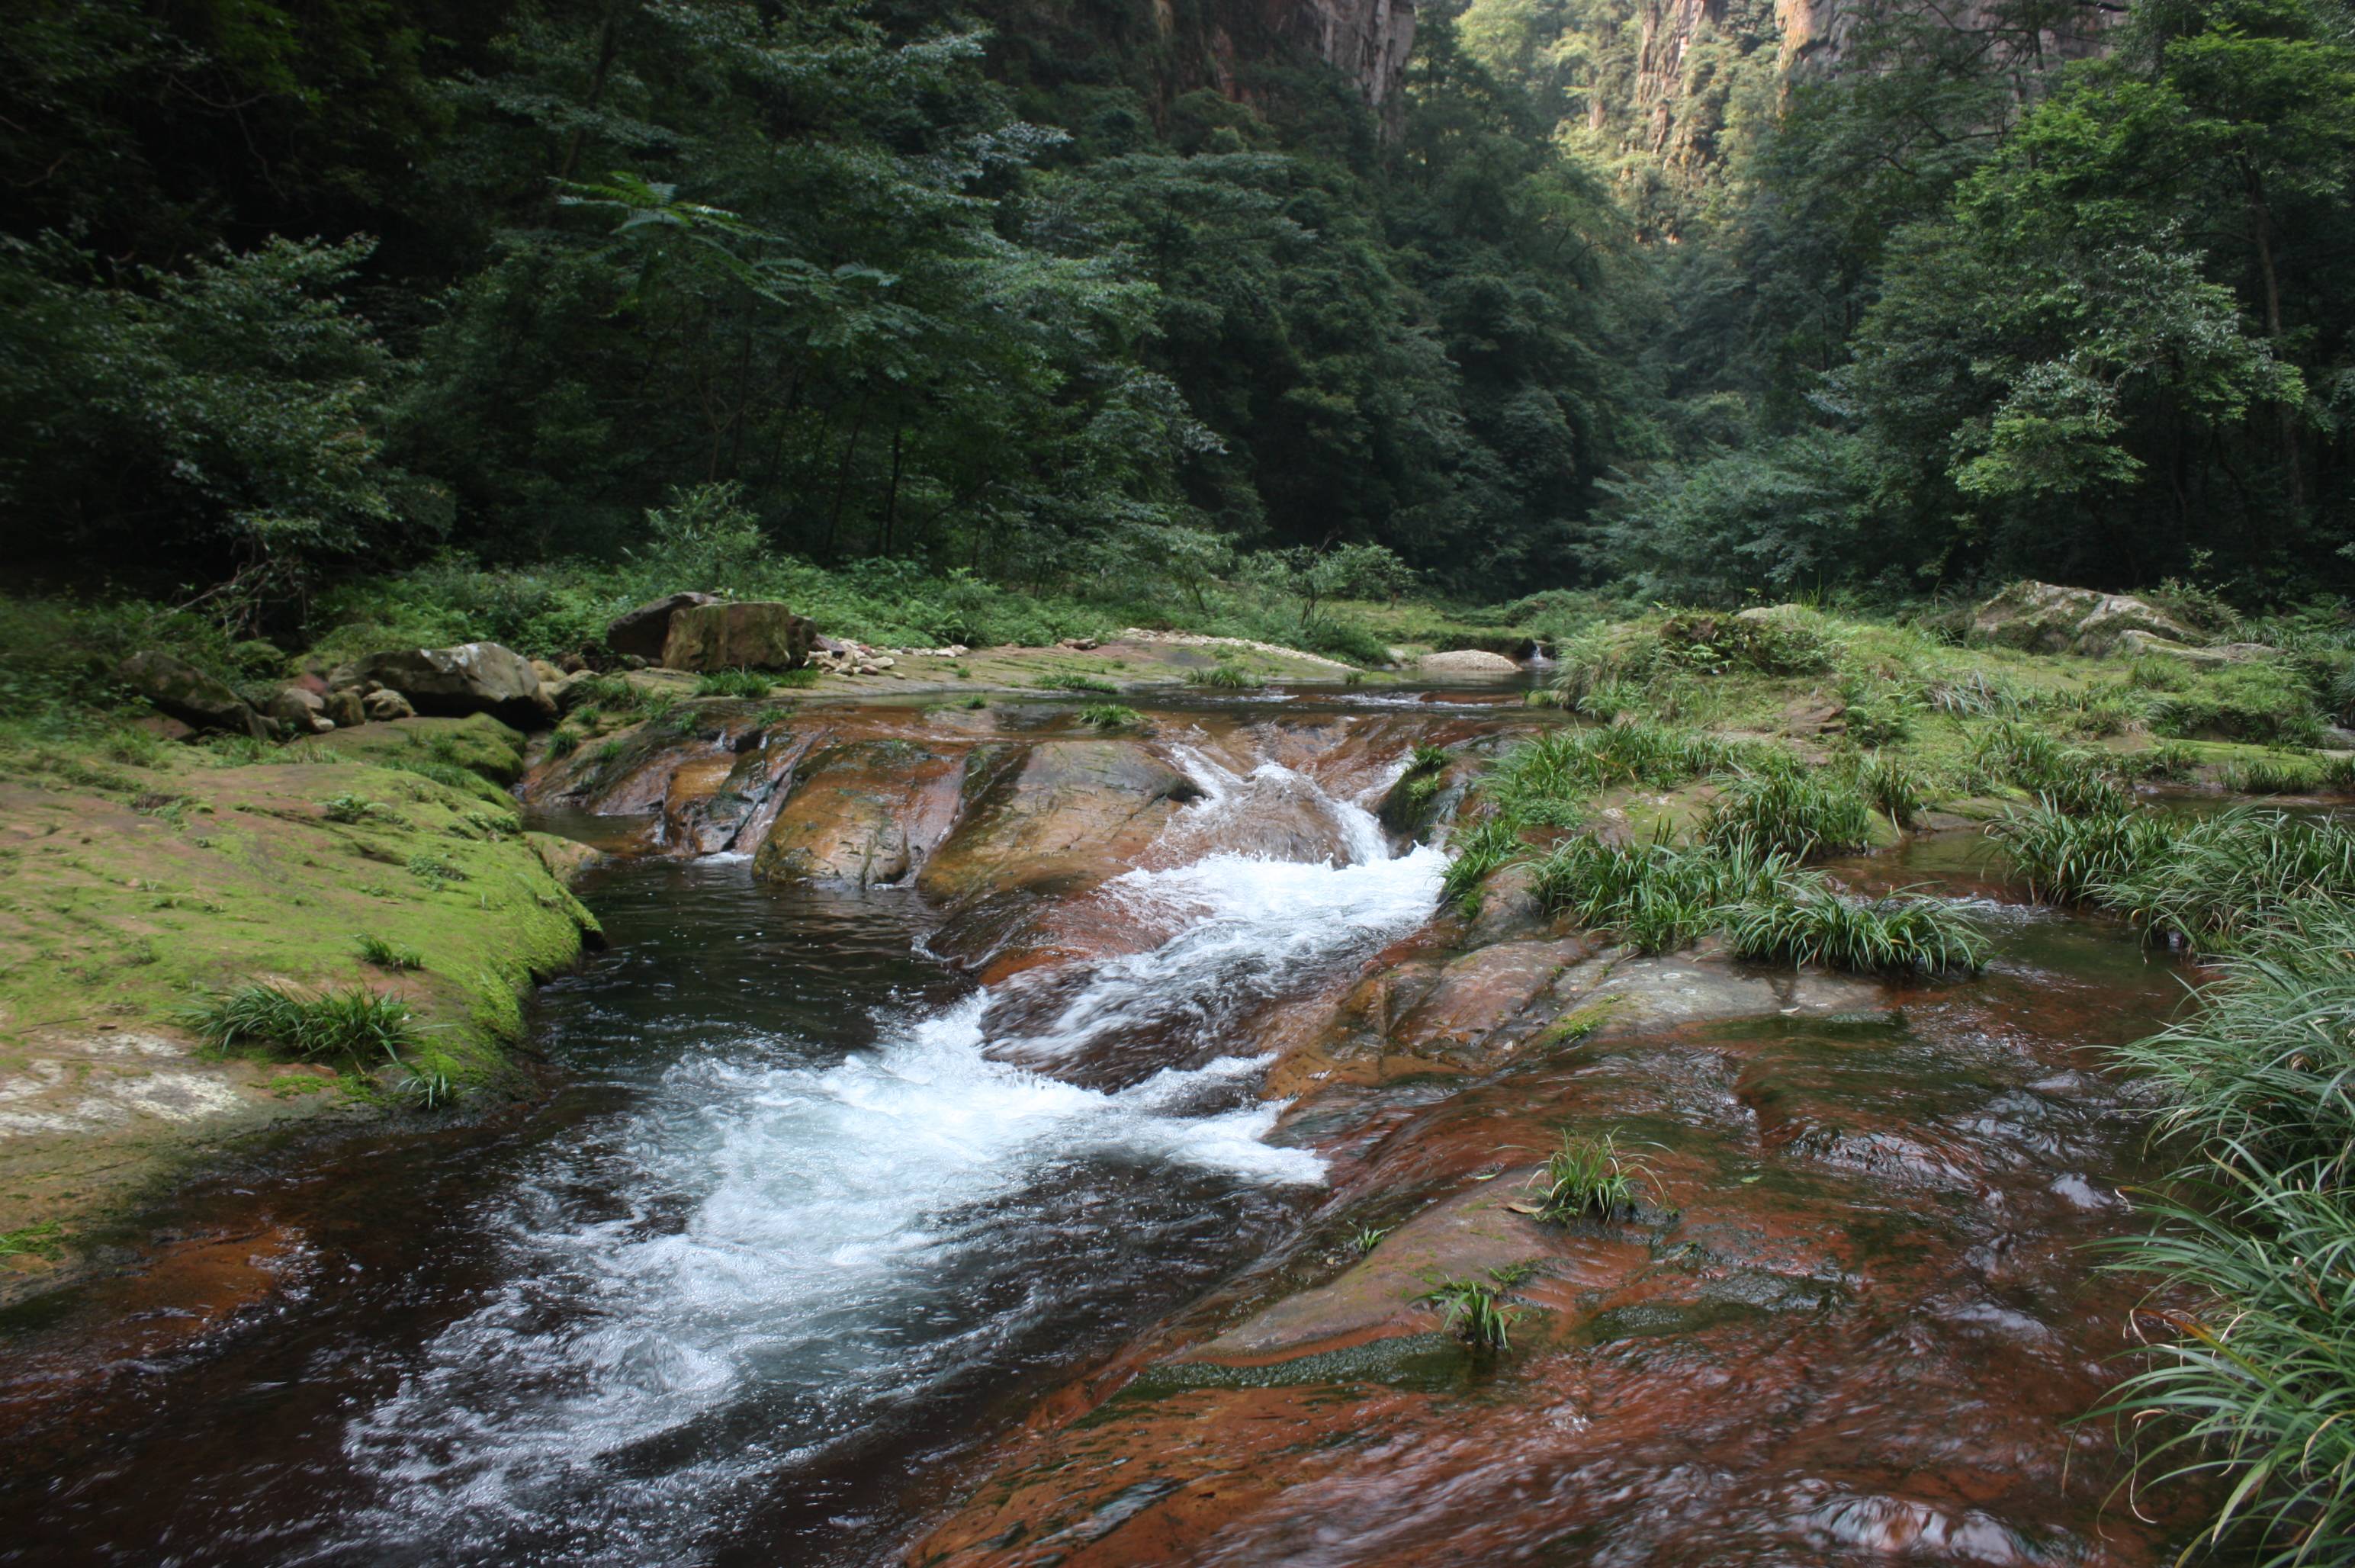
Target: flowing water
<point x="802" y="1215"/>
<point x="808" y="1218"/>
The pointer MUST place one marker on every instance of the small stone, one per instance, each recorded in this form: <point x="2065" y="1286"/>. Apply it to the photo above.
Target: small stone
<point x="383" y="707"/>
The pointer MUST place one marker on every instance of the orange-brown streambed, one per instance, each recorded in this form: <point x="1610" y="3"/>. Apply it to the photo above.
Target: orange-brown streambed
<point x="949" y="1222"/>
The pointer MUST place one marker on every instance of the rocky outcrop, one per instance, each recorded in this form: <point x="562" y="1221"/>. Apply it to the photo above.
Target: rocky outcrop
<point x="1467" y="661"/>
<point x="643" y="632"/>
<point x="186" y="693"/>
<point x="863" y="812"/>
<point x="1060" y="816"/>
<point x="2046" y="618"/>
<point x="705" y="637"/>
<point x="472" y="677"/>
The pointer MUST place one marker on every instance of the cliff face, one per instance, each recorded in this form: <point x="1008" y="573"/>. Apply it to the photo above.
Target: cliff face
<point x="1365" y="40"/>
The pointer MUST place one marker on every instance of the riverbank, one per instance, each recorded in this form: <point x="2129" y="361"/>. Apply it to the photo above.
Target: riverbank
<point x="141" y="883"/>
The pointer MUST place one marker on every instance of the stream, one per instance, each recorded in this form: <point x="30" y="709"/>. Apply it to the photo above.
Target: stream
<point x="810" y="1219"/>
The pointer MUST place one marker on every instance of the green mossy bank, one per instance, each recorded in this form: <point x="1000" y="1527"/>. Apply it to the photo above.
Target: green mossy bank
<point x="137" y="888"/>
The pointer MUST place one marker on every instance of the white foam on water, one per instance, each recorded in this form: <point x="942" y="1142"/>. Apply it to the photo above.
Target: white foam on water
<point x="782" y="1235"/>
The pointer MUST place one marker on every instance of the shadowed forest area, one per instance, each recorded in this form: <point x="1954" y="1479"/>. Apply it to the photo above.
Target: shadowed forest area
<point x="301" y="299"/>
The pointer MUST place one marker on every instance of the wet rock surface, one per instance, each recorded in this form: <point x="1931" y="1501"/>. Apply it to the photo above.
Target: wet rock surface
<point x="1851" y="1320"/>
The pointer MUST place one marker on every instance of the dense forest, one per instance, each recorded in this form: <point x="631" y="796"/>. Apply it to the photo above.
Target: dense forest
<point x="296" y="294"/>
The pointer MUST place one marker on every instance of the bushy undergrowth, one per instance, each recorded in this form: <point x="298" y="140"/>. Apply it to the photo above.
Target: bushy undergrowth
<point x="2251" y="1360"/>
<point x="2209" y="882"/>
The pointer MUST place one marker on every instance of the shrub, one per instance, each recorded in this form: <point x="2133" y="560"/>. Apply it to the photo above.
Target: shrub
<point x="358" y="1025"/>
<point x="1896" y="934"/>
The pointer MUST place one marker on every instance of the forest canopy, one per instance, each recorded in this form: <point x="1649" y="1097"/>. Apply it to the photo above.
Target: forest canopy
<point x="300" y="295"/>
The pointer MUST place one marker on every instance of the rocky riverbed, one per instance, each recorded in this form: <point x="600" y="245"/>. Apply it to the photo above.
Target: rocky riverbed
<point x="997" y="1137"/>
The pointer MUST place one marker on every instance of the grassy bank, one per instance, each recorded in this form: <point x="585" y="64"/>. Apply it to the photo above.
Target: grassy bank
<point x="1727" y="753"/>
<point x="200" y="942"/>
<point x="2250" y="1369"/>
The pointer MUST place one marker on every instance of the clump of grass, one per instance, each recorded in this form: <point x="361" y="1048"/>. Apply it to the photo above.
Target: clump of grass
<point x="1229" y="677"/>
<point x="1490" y="843"/>
<point x="2066" y="779"/>
<point x="2216" y="879"/>
<point x="2252" y="1384"/>
<point x="345" y="807"/>
<point x="1547" y="779"/>
<point x="1879" y="712"/>
<point x="737" y="682"/>
<point x="797" y="679"/>
<point x="384" y="955"/>
<point x="1110" y="715"/>
<point x="1799" y="813"/>
<point x="2066" y="859"/>
<point x="1588" y="1179"/>
<point x="1656" y="897"/>
<point x="2247" y="1369"/>
<point x="1889" y="786"/>
<point x="1367" y="1238"/>
<point x="435" y="871"/>
<point x="2263" y="703"/>
<point x="1897" y="934"/>
<point x="1474" y="1313"/>
<point x="358" y="1025"/>
<point x="1076" y="683"/>
<point x="564" y="743"/>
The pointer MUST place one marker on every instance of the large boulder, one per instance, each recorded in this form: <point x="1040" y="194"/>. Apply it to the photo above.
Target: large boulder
<point x="2046" y="618"/>
<point x="863" y="812"/>
<point x="473" y="678"/>
<point x="1061" y="814"/>
<point x="190" y="695"/>
<point x="301" y="709"/>
<point x="1468" y="661"/>
<point x="644" y="630"/>
<point x="705" y="637"/>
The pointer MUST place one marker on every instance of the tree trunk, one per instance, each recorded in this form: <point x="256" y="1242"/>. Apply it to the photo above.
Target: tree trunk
<point x="609" y="43"/>
<point x="2261" y="231"/>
